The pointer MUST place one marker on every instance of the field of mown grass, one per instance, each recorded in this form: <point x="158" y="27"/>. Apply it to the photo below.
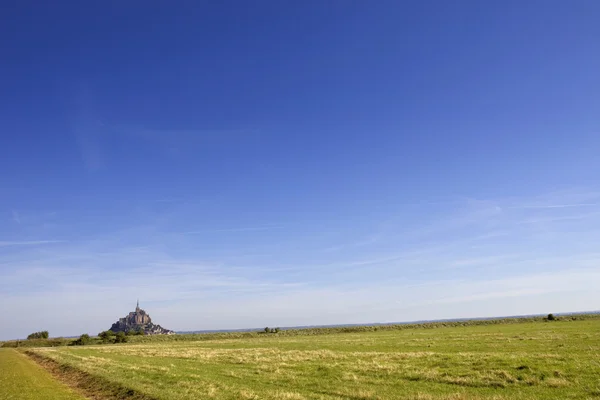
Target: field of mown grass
<point x="532" y="360"/>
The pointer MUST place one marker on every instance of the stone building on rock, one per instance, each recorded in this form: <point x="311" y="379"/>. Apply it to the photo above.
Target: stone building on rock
<point x="139" y="320"/>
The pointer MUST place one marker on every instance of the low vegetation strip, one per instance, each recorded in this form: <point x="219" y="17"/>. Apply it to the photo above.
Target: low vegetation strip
<point x="92" y="386"/>
<point x="21" y="379"/>
<point x="496" y="361"/>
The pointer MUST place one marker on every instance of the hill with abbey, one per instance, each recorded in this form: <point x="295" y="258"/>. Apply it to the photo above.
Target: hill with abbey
<point x="139" y="321"/>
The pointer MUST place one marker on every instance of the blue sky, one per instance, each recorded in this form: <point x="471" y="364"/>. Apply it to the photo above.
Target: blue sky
<point x="249" y="164"/>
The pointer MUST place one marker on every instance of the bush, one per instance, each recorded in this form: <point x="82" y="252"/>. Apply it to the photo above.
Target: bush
<point x="121" y="337"/>
<point x="551" y="317"/>
<point x="271" y="330"/>
<point x="82" y="341"/>
<point x="107" y="336"/>
<point x="38" y="335"/>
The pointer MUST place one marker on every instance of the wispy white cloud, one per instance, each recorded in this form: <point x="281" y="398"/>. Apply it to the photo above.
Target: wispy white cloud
<point x="566" y="198"/>
<point x="15" y="216"/>
<point x="180" y="135"/>
<point x="363" y="242"/>
<point x="560" y="218"/>
<point x="558" y="205"/>
<point x="89" y="130"/>
<point x="28" y="242"/>
<point x="524" y="285"/>
<point x="486" y="260"/>
<point x="240" y="229"/>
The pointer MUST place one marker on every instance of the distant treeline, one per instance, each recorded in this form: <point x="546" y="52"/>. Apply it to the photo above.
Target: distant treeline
<point x="53" y="342"/>
<point x="297" y="332"/>
<point x="106" y="337"/>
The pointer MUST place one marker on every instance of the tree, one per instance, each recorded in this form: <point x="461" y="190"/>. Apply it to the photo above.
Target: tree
<point x="267" y="330"/>
<point x="276" y="330"/>
<point x="551" y="317"/>
<point x="38" y="335"/>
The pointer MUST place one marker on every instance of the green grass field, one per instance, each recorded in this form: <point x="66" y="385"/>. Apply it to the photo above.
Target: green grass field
<point x="22" y="379"/>
<point x="552" y="360"/>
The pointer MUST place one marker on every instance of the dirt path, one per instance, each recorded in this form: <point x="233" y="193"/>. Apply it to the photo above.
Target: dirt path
<point x="23" y="379"/>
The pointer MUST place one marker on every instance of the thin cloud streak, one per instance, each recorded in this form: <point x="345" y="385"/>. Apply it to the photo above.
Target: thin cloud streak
<point x="562" y="218"/>
<point x="557" y="206"/>
<point x="16" y="217"/>
<point x="29" y="242"/>
<point x="243" y="229"/>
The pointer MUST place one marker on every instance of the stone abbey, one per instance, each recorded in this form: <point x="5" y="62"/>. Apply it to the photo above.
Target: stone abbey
<point x="139" y="320"/>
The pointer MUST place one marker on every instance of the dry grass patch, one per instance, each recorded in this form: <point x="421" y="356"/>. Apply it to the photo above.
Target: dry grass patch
<point x="557" y="382"/>
<point x="288" y="395"/>
<point x="454" y="396"/>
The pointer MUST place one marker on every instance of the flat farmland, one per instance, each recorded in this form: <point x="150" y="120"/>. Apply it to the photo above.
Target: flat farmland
<point x="539" y="360"/>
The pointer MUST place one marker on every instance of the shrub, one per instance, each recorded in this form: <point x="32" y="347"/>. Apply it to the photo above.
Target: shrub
<point x="107" y="336"/>
<point x="551" y="317"/>
<point x="135" y="332"/>
<point x="82" y="341"/>
<point x="120" y="337"/>
<point x="267" y="330"/>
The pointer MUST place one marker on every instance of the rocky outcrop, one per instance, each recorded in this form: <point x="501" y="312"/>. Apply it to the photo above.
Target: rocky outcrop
<point x="139" y="320"/>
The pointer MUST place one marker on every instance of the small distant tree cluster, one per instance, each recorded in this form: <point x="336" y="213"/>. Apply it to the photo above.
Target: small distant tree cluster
<point x="38" y="335"/>
<point x="271" y="330"/>
<point x="112" y="337"/>
<point x="551" y="317"/>
<point x="83" y="340"/>
<point x="136" y="332"/>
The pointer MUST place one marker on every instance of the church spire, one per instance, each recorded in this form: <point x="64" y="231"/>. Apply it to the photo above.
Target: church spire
<point x="137" y="307"/>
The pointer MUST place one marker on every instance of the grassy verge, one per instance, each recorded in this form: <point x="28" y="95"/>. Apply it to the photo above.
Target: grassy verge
<point x="91" y="386"/>
<point x="21" y="379"/>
